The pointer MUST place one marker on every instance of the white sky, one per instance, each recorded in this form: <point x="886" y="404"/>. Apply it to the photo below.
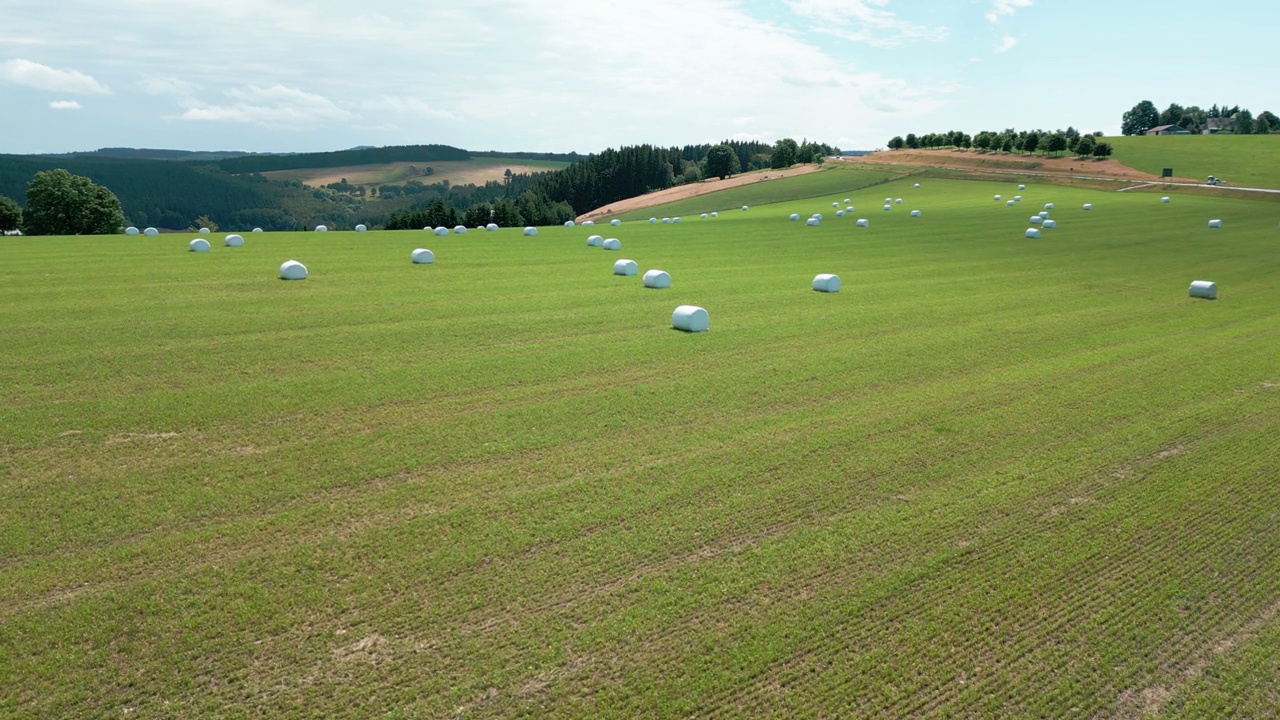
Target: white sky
<point x="561" y="75"/>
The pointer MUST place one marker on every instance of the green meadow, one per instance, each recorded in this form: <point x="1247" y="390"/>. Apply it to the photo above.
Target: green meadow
<point x="991" y="477"/>
<point x="1244" y="160"/>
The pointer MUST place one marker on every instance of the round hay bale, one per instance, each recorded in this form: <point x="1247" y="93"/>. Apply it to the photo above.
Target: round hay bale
<point x="625" y="267"/>
<point x="1036" y="219"/>
<point x="653" y="220"/>
<point x="257" y="229"/>
<point x="293" y="270"/>
<point x="1044" y="213"/>
<point x="1010" y="203"/>
<point x="897" y="201"/>
<point x="569" y="223"/>
<point x="1022" y="187"/>
<point x="1088" y="206"/>
<point x="616" y="222"/>
<point x="826" y="283"/>
<point x="839" y="213"/>
<point x="588" y="223"/>
<point x="657" y="279"/>
<point x="1048" y="206"/>
<point x="704" y="216"/>
<point x="319" y="228"/>
<point x="530" y="231"/>
<point x="1205" y="289"/>
<point x="611" y="244"/>
<point x="816" y="215"/>
<point x="888" y="200"/>
<point x="233" y="241"/>
<point x="888" y="207"/>
<point x="1050" y="224"/>
<point x="715" y="214"/>
<point x="999" y="198"/>
<point x="441" y="230"/>
<point x="835" y="205"/>
<point x="361" y="228"/>
<point x="1215" y="223"/>
<point x="812" y="222"/>
<point x="460" y="229"/>
<point x="198" y="245"/>
<point x="690" y="318"/>
<point x="131" y="230"/>
<point x="666" y="221"/>
<point x="595" y="241"/>
<point x="675" y="220"/>
<point x="916" y="186"/>
<point x="1017" y="198"/>
<point x="915" y="213"/>
<point x="491" y="227"/>
<point x="795" y="217"/>
<point x="847" y="201"/>
<point x="744" y="207"/>
<point x="1033" y="232"/>
<point x="422" y="256"/>
<point x="863" y="222"/>
<point x="204" y="231"/>
<point x="1164" y="199"/>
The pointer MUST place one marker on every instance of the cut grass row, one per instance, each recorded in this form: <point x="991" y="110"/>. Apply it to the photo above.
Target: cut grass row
<point x="990" y="477"/>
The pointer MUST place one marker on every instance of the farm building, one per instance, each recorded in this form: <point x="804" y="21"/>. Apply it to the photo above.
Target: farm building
<point x="1213" y="126"/>
<point x="1168" y="130"/>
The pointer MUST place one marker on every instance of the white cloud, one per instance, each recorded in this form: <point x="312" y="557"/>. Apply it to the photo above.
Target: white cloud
<point x="864" y="21"/>
<point x="43" y="77"/>
<point x="66" y="105"/>
<point x="1006" y="44"/>
<point x="23" y="41"/>
<point x="277" y="107"/>
<point x="410" y="106"/>
<point x="168" y="86"/>
<point x="1006" y="7"/>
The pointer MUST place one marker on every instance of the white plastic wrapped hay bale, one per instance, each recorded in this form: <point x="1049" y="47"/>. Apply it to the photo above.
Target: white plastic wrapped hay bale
<point x="835" y="204"/>
<point x="666" y="221"/>
<point x="422" y="256"/>
<point x="690" y="318"/>
<point x="653" y="220"/>
<point x="569" y="223"/>
<point x="826" y="283"/>
<point x="625" y="267"/>
<point x="1036" y="219"/>
<point x="1088" y="206"/>
<point x="441" y="230"/>
<point x="257" y="229"/>
<point x="863" y="222"/>
<point x="1010" y="203"/>
<point x="795" y="217"/>
<point x="999" y="198"/>
<point x="897" y="201"/>
<point x="715" y="214"/>
<point x="615" y="222"/>
<point x="745" y="208"/>
<point x="915" y="213"/>
<point x="491" y="227"/>
<point x="362" y="228"/>
<point x="1049" y="224"/>
<point x="1017" y="198"/>
<point x="460" y="229"/>
<point x="1048" y="206"/>
<point x="675" y="220"/>
<point x="888" y="200"/>
<point x="319" y="228"/>
<point x="1206" y="289"/>
<point x="657" y="279"/>
<point x="1164" y="199"/>
<point x="816" y="216"/>
<point x="1215" y="223"/>
<point x="293" y="270"/>
<point x="916" y="186"/>
<point x="611" y="244"/>
<point x="704" y="216"/>
<point x="812" y="222"/>
<point x="131" y="230"/>
<point x="839" y="213"/>
<point x="1044" y="213"/>
<point x="595" y="241"/>
<point x="233" y="241"/>
<point x="1033" y="232"/>
<point x="530" y="231"/>
<point x="588" y="223"/>
<point x="847" y="201"/>
<point x="888" y="207"/>
<point x="1022" y="187"/>
<point x="198" y="245"/>
<point x="204" y="231"/>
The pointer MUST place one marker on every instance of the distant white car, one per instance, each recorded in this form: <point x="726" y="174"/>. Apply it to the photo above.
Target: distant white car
<point x="1215" y="181"/>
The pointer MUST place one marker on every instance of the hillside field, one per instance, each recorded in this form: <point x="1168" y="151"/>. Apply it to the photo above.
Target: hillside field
<point x="991" y="477"/>
<point x="1244" y="160"/>
<point x="476" y="171"/>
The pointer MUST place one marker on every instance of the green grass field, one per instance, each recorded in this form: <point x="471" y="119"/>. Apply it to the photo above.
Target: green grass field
<point x="991" y="477"/>
<point x="1244" y="160"/>
<point x="838" y="179"/>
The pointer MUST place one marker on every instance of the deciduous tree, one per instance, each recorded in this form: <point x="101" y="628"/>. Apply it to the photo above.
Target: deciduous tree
<point x="722" y="161"/>
<point x="59" y="203"/>
<point x="10" y="214"/>
<point x="1140" y="118"/>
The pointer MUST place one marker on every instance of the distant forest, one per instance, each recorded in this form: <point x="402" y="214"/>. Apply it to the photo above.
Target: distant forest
<point x="173" y="193"/>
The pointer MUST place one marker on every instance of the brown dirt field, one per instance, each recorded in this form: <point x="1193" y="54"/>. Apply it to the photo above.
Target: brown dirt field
<point x="457" y="172"/>
<point x="962" y="160"/>
<point x="680" y="192"/>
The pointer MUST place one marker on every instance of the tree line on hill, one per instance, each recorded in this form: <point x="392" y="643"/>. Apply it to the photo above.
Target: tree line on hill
<point x="1229" y="119"/>
<point x="1054" y="142"/>
<point x="175" y="194"/>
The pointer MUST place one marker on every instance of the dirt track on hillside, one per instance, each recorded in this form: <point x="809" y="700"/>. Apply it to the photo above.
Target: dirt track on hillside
<point x="680" y="192"/>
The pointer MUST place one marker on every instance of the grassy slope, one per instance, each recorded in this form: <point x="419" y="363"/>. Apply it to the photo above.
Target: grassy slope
<point x="837" y="179"/>
<point x="1244" y="160"/>
<point x="991" y="477"/>
<point x="476" y="170"/>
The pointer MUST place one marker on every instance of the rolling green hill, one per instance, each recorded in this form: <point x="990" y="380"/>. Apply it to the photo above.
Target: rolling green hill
<point x="1244" y="160"/>
<point x="992" y="477"/>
